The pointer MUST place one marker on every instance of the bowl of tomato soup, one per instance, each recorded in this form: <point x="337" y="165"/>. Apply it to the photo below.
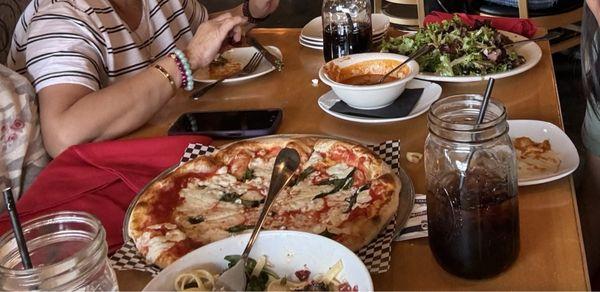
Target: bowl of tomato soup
<point x="356" y="79"/>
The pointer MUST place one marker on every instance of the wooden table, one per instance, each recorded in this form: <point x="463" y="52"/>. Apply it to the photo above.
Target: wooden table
<point x="552" y="255"/>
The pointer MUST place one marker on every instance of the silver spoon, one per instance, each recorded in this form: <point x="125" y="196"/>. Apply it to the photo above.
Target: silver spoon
<point x="418" y="53"/>
<point x="480" y="118"/>
<point x="286" y="163"/>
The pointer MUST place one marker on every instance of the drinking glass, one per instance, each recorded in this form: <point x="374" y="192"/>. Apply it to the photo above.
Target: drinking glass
<point x="346" y="27"/>
<point x="68" y="252"/>
<point x="472" y="207"/>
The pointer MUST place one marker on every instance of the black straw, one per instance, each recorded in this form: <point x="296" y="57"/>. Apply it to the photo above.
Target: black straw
<point x="484" y="104"/>
<point x="9" y="201"/>
<point x="486" y="100"/>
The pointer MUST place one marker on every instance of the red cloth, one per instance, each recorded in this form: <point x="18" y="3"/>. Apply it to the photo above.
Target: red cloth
<point x="523" y="27"/>
<point x="101" y="179"/>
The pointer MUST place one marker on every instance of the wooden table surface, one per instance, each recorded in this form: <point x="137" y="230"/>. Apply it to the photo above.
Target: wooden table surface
<point x="552" y="255"/>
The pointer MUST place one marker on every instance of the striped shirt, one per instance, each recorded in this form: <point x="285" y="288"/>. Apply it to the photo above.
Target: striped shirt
<point x="85" y="41"/>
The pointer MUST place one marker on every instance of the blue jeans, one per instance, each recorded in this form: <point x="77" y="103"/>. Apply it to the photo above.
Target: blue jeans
<point x="532" y="4"/>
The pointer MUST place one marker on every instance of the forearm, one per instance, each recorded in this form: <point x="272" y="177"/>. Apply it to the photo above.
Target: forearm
<point x="236" y="11"/>
<point x="110" y="112"/>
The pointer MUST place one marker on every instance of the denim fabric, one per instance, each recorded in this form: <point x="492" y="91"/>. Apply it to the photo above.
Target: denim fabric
<point x="532" y="4"/>
<point x="590" y="66"/>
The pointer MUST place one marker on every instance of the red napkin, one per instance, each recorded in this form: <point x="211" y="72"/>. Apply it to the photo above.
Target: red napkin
<point x="523" y="27"/>
<point x="101" y="179"/>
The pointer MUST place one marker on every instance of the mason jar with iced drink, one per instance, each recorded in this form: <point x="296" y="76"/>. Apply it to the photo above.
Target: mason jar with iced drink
<point x="68" y="252"/>
<point x="473" y="213"/>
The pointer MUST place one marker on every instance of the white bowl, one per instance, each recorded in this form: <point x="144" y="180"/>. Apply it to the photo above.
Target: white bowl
<point x="287" y="251"/>
<point x="369" y="96"/>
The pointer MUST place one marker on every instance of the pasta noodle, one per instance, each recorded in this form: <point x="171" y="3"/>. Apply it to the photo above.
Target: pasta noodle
<point x="203" y="280"/>
<point x="195" y="280"/>
<point x="332" y="273"/>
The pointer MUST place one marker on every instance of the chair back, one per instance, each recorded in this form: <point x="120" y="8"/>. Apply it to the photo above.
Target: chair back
<point x="10" y="10"/>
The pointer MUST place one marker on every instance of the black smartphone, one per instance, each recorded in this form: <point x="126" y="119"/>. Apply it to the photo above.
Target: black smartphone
<point x="228" y="124"/>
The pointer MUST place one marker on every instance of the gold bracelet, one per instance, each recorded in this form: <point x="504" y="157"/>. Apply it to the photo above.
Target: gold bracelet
<point x="166" y="74"/>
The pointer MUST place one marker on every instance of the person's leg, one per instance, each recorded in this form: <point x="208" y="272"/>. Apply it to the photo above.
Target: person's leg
<point x="589" y="197"/>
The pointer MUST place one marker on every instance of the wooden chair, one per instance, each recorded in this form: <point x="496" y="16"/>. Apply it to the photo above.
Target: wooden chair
<point x="10" y="11"/>
<point x="566" y="16"/>
<point x="406" y="13"/>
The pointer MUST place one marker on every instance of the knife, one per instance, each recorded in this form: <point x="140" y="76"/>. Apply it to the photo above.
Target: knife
<point x="276" y="62"/>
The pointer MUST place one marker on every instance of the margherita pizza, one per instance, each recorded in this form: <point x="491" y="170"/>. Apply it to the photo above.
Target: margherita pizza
<point x="341" y="190"/>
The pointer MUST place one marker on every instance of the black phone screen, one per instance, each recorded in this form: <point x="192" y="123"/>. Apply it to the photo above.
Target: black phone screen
<point x="247" y="123"/>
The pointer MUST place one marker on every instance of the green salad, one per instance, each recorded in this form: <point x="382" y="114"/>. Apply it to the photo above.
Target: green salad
<point x="460" y="50"/>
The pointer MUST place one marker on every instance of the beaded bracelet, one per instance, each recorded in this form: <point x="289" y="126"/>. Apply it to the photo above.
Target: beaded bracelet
<point x="187" y="81"/>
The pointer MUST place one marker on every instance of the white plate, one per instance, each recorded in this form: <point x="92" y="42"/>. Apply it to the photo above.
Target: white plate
<point x="313" y="30"/>
<point x="531" y="51"/>
<point x="431" y="93"/>
<point x="559" y="141"/>
<point x="242" y="56"/>
<point x="375" y="39"/>
<point x="319" y="46"/>
<point x="310" y="45"/>
<point x="287" y="251"/>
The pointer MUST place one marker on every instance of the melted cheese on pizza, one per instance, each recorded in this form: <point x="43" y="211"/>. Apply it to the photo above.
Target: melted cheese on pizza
<point x="156" y="244"/>
<point x="362" y="199"/>
<point x="262" y="168"/>
<point x="340" y="170"/>
<point x="196" y="197"/>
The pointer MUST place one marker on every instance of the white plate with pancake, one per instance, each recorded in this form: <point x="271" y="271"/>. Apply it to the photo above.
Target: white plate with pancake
<point x="543" y="168"/>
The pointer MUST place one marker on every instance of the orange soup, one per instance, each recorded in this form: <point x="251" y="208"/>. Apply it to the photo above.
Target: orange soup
<point x="366" y="72"/>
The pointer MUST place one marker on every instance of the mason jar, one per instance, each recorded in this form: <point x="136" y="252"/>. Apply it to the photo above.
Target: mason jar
<point x="472" y="207"/>
<point x="68" y="252"/>
<point x="347" y="27"/>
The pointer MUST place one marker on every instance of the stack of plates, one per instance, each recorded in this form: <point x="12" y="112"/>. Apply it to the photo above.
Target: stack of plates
<point x="312" y="33"/>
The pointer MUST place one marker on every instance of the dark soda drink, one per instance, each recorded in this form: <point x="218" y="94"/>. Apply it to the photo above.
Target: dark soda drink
<point x="345" y="39"/>
<point x="474" y="233"/>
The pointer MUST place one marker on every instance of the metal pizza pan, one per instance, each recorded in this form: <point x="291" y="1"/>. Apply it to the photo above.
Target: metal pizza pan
<point x="406" y="194"/>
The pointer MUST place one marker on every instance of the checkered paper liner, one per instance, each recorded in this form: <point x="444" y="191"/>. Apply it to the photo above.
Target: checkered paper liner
<point x="376" y="255"/>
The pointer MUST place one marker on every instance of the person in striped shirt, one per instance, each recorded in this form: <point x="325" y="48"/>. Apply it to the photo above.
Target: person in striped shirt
<point x="91" y="62"/>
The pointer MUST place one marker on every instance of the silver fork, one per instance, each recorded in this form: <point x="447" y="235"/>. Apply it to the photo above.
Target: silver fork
<point x="247" y="70"/>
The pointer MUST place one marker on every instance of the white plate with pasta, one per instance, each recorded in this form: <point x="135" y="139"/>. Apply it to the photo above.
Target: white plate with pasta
<point x="299" y="257"/>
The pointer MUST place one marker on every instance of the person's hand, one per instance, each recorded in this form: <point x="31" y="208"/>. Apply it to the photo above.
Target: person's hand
<point x="262" y="8"/>
<point x="210" y="36"/>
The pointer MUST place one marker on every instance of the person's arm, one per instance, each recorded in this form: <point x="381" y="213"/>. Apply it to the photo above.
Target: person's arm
<point x="72" y="114"/>
<point x="258" y="9"/>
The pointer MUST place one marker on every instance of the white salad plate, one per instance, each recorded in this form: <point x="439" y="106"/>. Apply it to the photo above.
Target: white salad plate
<point x="560" y="143"/>
<point x="313" y="30"/>
<point x="286" y="251"/>
<point x="242" y="56"/>
<point x="430" y="94"/>
<point x="530" y="51"/>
